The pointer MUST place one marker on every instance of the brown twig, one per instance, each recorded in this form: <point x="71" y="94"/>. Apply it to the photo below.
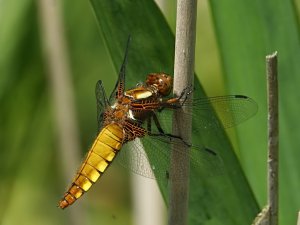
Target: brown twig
<point x="269" y="215"/>
<point x="271" y="65"/>
<point x="183" y="77"/>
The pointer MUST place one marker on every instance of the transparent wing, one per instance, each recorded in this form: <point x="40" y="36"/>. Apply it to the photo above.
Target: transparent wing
<point x="133" y="157"/>
<point x="102" y="103"/>
<point x="150" y="157"/>
<point x="213" y="112"/>
<point x="231" y="110"/>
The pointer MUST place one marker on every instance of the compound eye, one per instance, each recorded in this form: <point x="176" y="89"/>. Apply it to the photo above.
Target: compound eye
<point x="162" y="81"/>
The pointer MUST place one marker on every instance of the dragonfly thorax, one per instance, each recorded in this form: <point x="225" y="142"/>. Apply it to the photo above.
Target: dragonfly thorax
<point x="118" y="112"/>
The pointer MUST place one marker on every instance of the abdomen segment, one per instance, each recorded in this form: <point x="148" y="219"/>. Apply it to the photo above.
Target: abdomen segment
<point x="103" y="151"/>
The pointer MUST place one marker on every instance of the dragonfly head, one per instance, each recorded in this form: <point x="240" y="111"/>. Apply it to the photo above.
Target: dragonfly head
<point x="162" y="81"/>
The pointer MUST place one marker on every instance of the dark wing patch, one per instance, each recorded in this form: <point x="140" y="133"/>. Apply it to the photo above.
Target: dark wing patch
<point x="120" y="85"/>
<point x="102" y="103"/>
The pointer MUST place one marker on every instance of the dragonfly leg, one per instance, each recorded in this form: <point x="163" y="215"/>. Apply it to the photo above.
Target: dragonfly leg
<point x="157" y="124"/>
<point x="185" y="94"/>
<point x="177" y="102"/>
<point x="170" y="136"/>
<point x="161" y="131"/>
<point x="149" y="124"/>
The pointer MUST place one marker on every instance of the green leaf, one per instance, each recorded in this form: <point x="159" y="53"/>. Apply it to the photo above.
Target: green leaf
<point x="225" y="199"/>
<point x="247" y="31"/>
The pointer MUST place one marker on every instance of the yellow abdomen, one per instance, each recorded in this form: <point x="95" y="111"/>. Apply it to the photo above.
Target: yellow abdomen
<point x="103" y="151"/>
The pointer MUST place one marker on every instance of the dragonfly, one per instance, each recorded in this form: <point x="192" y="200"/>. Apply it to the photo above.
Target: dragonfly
<point x="140" y="118"/>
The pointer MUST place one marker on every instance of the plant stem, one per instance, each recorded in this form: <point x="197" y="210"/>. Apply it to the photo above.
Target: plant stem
<point x="183" y="77"/>
<point x="271" y="66"/>
<point x="56" y="57"/>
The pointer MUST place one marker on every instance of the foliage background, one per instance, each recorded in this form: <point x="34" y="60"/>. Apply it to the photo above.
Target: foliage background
<point x="231" y="45"/>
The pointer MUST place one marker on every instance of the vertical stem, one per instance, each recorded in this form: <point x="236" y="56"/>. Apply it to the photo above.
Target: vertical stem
<point x="298" y="221"/>
<point x="271" y="66"/>
<point x="183" y="77"/>
<point x="55" y="51"/>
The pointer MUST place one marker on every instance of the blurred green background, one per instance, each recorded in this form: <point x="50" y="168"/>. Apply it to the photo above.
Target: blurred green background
<point x="32" y="180"/>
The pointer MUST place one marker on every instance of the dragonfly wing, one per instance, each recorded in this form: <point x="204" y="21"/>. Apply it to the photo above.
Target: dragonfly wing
<point x="134" y="158"/>
<point x="150" y="157"/>
<point x="205" y="159"/>
<point x="120" y="85"/>
<point x="231" y="110"/>
<point x="102" y="103"/>
<point x="213" y="113"/>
